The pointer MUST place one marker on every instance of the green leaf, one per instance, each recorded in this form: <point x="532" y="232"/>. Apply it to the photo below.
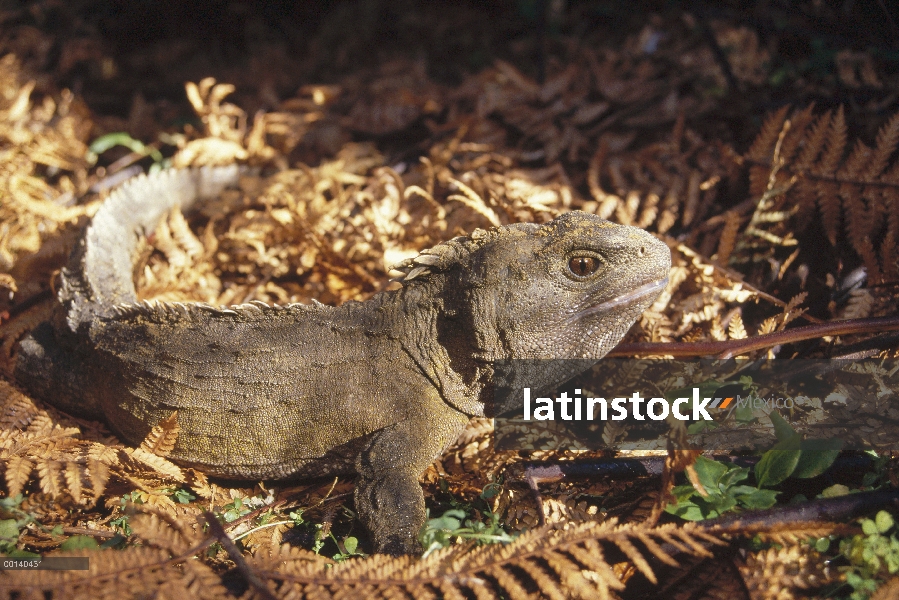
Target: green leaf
<point x="733" y="476"/>
<point x="701" y="426"/>
<point x="686" y="510"/>
<point x="869" y="527"/>
<point x="491" y="490"/>
<point x="183" y="496"/>
<point x="683" y="492"/>
<point x="110" y="140"/>
<point x="743" y="413"/>
<point x="710" y="473"/>
<point x="822" y="544"/>
<point x="869" y="479"/>
<point x="835" y="491"/>
<point x="22" y="554"/>
<point x="9" y="531"/>
<point x="79" y="542"/>
<point x="9" y="528"/>
<point x="778" y="463"/>
<point x="758" y="499"/>
<point x="114" y="541"/>
<point x="351" y="544"/>
<point x="739" y="490"/>
<point x="11" y="503"/>
<point x="884" y="521"/>
<point x="782" y="429"/>
<point x="715" y="506"/>
<point x="817" y="456"/>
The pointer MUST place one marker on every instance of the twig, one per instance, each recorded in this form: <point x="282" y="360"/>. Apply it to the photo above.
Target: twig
<point x="731" y="348"/>
<point x="835" y="510"/>
<point x="215" y="528"/>
<point x="717" y="52"/>
<point x="100" y="533"/>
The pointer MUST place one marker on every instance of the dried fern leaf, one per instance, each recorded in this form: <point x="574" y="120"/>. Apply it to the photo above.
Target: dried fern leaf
<point x="139" y="458"/>
<point x="119" y="574"/>
<point x="728" y="239"/>
<point x="553" y="564"/>
<point x="162" y="438"/>
<point x="735" y="328"/>
<point x="17" y="473"/>
<point x="779" y="570"/>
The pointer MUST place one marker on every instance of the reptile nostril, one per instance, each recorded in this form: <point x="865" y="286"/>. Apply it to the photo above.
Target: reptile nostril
<point x="642" y="251"/>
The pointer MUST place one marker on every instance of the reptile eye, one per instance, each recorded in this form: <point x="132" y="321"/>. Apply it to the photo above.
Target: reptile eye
<point x="582" y="266"/>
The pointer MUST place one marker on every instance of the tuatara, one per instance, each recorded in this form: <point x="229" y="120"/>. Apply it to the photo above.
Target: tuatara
<point x="378" y="388"/>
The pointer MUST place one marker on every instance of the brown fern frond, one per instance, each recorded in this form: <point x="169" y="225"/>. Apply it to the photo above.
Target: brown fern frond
<point x="35" y="445"/>
<point x="98" y="475"/>
<point x="828" y="201"/>
<point x="728" y="239"/>
<point x="800" y="121"/>
<point x="162" y="438"/>
<point x="762" y="150"/>
<point x="139" y="461"/>
<point x="735" y="328"/>
<point x="17" y="473"/>
<point x="770" y="573"/>
<point x="806" y="191"/>
<point x="856" y="194"/>
<point x="860" y="305"/>
<point x="813" y="143"/>
<point x="155" y="527"/>
<point x="865" y="249"/>
<point x="553" y="564"/>
<point x="885" y="146"/>
<point x="16" y="409"/>
<point x="73" y="477"/>
<point x="51" y="480"/>
<point x="792" y="310"/>
<point x="121" y="574"/>
<point x="889" y="252"/>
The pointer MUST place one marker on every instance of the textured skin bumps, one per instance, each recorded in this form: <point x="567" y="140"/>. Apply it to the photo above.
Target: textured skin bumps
<point x="378" y="388"/>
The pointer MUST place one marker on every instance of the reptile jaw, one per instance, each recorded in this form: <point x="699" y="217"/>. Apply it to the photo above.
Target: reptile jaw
<point x="647" y="289"/>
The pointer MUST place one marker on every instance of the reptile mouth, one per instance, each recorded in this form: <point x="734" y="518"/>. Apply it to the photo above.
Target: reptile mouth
<point x="653" y="287"/>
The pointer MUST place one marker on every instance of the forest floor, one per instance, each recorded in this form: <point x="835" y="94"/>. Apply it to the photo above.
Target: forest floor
<point x="758" y="140"/>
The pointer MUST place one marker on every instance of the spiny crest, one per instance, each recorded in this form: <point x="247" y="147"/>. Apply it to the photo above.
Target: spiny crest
<point x="456" y="251"/>
<point x="193" y="311"/>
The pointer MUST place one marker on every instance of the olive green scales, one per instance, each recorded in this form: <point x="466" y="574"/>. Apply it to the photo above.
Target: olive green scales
<point x="378" y="388"/>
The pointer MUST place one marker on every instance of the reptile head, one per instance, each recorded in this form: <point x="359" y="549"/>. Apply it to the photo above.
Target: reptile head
<point x="570" y="288"/>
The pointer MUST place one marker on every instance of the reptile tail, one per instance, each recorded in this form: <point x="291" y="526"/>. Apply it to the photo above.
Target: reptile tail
<point x="100" y="271"/>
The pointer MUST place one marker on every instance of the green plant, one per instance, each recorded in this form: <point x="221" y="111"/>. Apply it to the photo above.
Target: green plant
<point x="235" y="510"/>
<point x="346" y="549"/>
<point x="792" y="456"/>
<point x="455" y="525"/>
<point x="121" y="523"/>
<point x="79" y="542"/>
<point x="872" y="555"/>
<point x="110" y="140"/>
<point x="181" y="495"/>
<point x="878" y="477"/>
<point x="724" y="492"/>
<point x="14" y="519"/>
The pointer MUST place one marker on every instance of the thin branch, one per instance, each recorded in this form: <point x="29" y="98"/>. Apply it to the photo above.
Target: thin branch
<point x="731" y="348"/>
<point x="215" y="528"/>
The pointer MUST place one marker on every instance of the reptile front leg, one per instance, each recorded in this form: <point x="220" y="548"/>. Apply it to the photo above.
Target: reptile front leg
<point x="389" y="499"/>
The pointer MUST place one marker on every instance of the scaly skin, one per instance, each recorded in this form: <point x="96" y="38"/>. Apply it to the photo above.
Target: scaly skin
<point x="378" y="388"/>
